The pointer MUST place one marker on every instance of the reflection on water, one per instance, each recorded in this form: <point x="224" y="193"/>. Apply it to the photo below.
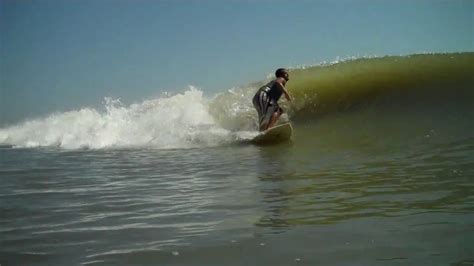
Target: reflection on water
<point x="438" y="179"/>
<point x="106" y="206"/>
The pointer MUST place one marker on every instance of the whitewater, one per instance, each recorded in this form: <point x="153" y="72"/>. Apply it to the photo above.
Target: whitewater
<point x="179" y="121"/>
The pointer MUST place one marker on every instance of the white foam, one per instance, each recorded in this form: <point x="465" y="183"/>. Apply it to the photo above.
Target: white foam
<point x="179" y="121"/>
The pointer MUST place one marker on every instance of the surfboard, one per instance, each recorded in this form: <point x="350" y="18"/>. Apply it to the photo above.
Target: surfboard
<point x="274" y="135"/>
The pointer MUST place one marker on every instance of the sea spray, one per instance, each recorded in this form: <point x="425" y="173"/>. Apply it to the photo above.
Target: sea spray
<point x="233" y="109"/>
<point x="178" y="121"/>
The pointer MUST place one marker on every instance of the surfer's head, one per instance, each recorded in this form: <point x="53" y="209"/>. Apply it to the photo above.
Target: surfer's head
<point x="282" y="73"/>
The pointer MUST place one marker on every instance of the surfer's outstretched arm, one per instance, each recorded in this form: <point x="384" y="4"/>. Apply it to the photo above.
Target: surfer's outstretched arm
<point x="281" y="85"/>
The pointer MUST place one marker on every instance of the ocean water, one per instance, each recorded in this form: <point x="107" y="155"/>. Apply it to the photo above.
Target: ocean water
<point x="380" y="171"/>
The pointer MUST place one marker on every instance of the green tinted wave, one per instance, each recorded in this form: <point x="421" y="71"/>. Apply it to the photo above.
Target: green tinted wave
<point x="351" y="84"/>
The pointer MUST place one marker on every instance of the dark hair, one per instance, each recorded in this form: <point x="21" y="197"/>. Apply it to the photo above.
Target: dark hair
<point x="280" y="72"/>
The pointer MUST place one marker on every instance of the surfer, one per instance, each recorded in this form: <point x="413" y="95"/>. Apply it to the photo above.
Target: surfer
<point x="266" y="100"/>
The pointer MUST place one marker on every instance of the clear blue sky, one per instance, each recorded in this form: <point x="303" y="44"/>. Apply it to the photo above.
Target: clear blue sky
<point x="59" y="55"/>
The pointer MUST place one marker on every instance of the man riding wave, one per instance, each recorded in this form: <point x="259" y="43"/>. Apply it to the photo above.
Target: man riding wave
<point x="266" y="100"/>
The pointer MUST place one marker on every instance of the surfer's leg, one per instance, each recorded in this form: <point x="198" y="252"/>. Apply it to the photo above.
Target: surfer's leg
<point x="273" y="113"/>
<point x="274" y="119"/>
<point x="261" y="102"/>
<point x="265" y="121"/>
